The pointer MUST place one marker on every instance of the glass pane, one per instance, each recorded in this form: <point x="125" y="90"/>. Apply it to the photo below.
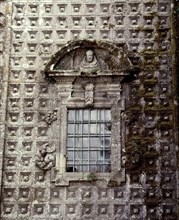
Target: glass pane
<point x="77" y="168"/>
<point x="94" y="142"/>
<point x="102" y="115"/>
<point x="85" y="142"/>
<point x="79" y="144"/>
<point x="85" y="128"/>
<point x="85" y="168"/>
<point x="70" y="155"/>
<point x="85" y="155"/>
<point x="98" y="129"/>
<point x="105" y="142"/>
<point x="102" y="128"/>
<point x="70" y="142"/>
<point x="94" y="156"/>
<point x="78" y="128"/>
<point x="71" y="129"/>
<point x="107" y="115"/>
<point x="107" y="127"/>
<point x="78" y="155"/>
<point x="71" y="115"/>
<point x="93" y="115"/>
<point x="79" y="115"/>
<point x="93" y="129"/>
<point x="86" y="115"/>
<point x="105" y="154"/>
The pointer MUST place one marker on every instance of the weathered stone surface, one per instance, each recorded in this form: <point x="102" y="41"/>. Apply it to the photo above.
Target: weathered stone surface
<point x="33" y="34"/>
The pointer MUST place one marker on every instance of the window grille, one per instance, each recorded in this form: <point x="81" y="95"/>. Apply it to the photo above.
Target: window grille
<point x="89" y="140"/>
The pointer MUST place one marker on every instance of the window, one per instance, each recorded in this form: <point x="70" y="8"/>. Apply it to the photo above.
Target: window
<point x="89" y="140"/>
<point x="90" y="101"/>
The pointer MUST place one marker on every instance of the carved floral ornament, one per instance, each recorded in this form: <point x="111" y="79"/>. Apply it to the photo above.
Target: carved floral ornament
<point x="88" y="58"/>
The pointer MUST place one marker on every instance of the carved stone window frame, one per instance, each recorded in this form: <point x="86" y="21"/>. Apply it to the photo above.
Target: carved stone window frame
<point x="63" y="177"/>
<point x="121" y="67"/>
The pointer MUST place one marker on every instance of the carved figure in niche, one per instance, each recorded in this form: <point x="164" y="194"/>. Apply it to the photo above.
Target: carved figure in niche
<point x="89" y="95"/>
<point x="45" y="159"/>
<point x="89" y="63"/>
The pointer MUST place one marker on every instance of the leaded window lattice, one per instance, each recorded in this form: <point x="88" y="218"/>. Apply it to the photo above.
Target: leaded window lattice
<point x="89" y="140"/>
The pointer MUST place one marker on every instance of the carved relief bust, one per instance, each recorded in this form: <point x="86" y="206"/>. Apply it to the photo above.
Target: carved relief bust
<point x="88" y="58"/>
<point x="89" y="63"/>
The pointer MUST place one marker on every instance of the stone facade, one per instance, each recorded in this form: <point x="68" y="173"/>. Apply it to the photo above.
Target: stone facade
<point x="42" y="46"/>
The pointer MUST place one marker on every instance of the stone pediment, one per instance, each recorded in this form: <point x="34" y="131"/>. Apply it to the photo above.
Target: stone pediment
<point x="89" y="58"/>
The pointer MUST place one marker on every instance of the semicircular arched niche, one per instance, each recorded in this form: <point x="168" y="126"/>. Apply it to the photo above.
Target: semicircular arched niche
<point x="93" y="58"/>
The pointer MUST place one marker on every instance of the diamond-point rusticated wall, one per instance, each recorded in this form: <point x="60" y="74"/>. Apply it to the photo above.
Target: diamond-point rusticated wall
<point x="30" y="33"/>
<point x="4" y="69"/>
